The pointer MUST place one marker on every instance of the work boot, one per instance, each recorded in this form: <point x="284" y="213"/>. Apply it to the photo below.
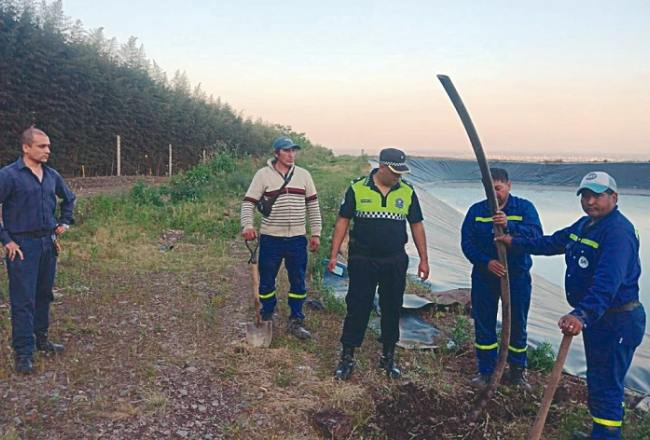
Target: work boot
<point x="44" y="344"/>
<point x="24" y="364"/>
<point x="268" y="317"/>
<point x="481" y="380"/>
<point x="517" y="378"/>
<point x="580" y="435"/>
<point x="296" y="328"/>
<point x="346" y="364"/>
<point x="387" y="362"/>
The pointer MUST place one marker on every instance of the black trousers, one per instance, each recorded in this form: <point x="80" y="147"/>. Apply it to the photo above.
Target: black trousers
<point x="366" y="273"/>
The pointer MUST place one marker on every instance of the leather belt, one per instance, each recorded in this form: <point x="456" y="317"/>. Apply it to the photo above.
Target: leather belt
<point x="627" y="307"/>
<point x="34" y="234"/>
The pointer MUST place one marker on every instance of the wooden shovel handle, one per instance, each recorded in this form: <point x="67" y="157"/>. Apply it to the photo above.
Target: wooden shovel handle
<point x="551" y="386"/>
<point x="256" y="296"/>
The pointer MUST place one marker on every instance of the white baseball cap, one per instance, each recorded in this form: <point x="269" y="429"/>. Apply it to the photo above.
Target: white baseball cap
<point x="598" y="182"/>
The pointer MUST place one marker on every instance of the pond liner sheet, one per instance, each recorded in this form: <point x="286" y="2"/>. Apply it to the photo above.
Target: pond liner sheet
<point x="450" y="269"/>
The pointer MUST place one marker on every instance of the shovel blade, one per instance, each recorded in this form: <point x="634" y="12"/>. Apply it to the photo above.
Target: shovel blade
<point x="259" y="335"/>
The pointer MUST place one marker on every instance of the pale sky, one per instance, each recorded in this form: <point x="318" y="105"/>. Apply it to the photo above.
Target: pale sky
<point x="556" y="78"/>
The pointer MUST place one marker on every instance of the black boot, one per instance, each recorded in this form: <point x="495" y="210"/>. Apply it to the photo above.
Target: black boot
<point x="24" y="364"/>
<point x="296" y="327"/>
<point x="44" y="344"/>
<point x="517" y="378"/>
<point x="387" y="362"/>
<point x="346" y="364"/>
<point x="481" y="380"/>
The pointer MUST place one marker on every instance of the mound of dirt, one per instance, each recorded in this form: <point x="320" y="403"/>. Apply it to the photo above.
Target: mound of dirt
<point x="412" y="412"/>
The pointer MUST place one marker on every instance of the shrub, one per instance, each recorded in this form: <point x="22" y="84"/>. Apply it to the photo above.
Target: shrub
<point x="541" y="358"/>
<point x="144" y="194"/>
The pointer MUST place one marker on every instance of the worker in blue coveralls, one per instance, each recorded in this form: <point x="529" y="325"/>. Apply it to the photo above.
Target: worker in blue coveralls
<point x="518" y="217"/>
<point x="28" y="194"/>
<point x="602" y="285"/>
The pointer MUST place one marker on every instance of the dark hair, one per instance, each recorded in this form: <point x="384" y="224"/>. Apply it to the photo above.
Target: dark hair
<point x="27" y="137"/>
<point x="499" y="174"/>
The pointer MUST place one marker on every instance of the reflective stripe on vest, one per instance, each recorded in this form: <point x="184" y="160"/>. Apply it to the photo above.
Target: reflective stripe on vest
<point x="368" y="202"/>
<point x="586" y="241"/>
<point x="515" y="218"/>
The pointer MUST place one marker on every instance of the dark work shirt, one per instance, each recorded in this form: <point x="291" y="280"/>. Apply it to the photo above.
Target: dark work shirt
<point x="602" y="262"/>
<point x="29" y="206"/>
<point x="378" y="237"/>
<point x="477" y="234"/>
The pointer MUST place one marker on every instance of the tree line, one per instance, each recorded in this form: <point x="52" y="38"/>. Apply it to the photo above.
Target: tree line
<point x="83" y="89"/>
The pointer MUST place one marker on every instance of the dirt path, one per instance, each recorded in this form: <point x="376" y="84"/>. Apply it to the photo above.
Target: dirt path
<point x="144" y="359"/>
<point x="90" y="186"/>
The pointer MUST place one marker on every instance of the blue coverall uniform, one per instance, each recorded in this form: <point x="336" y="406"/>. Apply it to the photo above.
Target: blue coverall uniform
<point x="28" y="219"/>
<point x="602" y="286"/>
<point x="477" y="243"/>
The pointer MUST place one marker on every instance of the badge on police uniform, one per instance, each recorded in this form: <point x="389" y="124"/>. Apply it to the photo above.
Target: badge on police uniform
<point x="583" y="262"/>
<point x="399" y="203"/>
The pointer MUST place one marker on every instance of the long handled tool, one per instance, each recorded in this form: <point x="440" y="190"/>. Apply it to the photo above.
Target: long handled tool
<point x="488" y="184"/>
<point x="538" y="427"/>
<point x="259" y="333"/>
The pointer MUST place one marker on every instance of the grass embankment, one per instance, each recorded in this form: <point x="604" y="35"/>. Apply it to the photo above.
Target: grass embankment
<point x="153" y="322"/>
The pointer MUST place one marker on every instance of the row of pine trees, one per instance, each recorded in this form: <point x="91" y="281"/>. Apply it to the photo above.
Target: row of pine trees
<point x="83" y="89"/>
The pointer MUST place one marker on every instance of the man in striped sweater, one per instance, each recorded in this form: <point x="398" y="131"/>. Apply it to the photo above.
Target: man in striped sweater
<point x="283" y="231"/>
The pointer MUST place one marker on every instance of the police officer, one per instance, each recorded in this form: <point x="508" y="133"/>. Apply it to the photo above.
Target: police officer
<point x="519" y="217"/>
<point x="28" y="194"/>
<point x="380" y="204"/>
<point x="602" y="285"/>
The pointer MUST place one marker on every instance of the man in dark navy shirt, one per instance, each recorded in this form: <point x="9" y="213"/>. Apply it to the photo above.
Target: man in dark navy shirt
<point x="28" y="194"/>
<point x="380" y="205"/>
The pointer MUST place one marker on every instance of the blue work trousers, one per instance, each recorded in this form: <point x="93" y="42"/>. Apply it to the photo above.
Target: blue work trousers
<point x="609" y="347"/>
<point x="486" y="292"/>
<point x="293" y="250"/>
<point x="30" y="290"/>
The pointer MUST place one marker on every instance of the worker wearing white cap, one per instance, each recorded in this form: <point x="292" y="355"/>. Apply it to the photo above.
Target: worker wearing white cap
<point x="602" y="285"/>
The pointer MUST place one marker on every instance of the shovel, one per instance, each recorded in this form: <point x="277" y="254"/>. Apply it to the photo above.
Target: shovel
<point x="259" y="333"/>
<point x="538" y="426"/>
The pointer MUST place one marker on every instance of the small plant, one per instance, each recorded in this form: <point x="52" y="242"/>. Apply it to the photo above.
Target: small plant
<point x="541" y="358"/>
<point x="461" y="333"/>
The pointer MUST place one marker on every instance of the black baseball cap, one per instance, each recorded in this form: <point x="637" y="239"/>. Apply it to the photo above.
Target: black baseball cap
<point x="395" y="160"/>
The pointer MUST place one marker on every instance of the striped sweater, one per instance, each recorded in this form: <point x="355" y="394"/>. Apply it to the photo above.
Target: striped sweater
<point x="297" y="202"/>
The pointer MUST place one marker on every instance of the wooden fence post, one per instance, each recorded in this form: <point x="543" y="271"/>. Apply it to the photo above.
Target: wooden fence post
<point x="119" y="157"/>
<point x="170" y="160"/>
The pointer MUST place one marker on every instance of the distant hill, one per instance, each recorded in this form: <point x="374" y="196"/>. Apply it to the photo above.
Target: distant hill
<point x="84" y="89"/>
